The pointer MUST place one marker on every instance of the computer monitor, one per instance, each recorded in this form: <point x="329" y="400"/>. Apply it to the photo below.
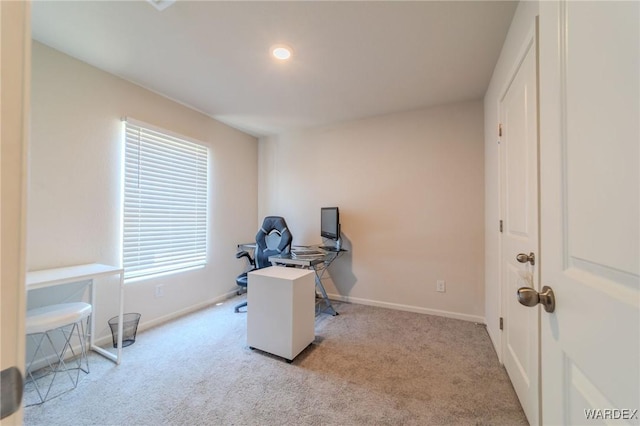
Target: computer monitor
<point x="330" y="223"/>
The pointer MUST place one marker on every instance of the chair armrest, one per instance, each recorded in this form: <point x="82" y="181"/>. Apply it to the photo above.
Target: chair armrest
<point x="243" y="253"/>
<point x="247" y="246"/>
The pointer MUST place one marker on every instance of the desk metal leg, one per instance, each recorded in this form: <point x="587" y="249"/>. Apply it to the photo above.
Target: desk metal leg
<point x="117" y="357"/>
<point x="92" y="326"/>
<point x="325" y="299"/>
<point x="312" y="264"/>
<point x="120" y="319"/>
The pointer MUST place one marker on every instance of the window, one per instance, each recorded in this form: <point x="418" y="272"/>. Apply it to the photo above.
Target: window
<point x="165" y="202"/>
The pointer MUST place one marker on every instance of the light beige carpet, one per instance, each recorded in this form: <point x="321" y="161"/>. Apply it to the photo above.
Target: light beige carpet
<point x="367" y="366"/>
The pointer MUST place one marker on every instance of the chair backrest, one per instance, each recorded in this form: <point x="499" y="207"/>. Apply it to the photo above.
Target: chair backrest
<point x="273" y="238"/>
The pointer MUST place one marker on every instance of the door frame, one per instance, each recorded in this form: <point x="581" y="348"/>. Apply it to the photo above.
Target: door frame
<point x="522" y="53"/>
<point x="531" y="41"/>
<point x="15" y="38"/>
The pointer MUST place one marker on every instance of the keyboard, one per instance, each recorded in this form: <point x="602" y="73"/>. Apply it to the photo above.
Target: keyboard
<point x="306" y="252"/>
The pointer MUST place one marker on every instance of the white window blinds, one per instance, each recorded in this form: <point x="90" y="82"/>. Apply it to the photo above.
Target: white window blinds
<point x="165" y="202"/>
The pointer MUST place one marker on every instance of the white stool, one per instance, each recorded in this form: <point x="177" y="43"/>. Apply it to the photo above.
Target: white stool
<point x="42" y="325"/>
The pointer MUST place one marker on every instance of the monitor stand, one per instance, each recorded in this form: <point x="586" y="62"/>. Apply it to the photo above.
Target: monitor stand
<point x="336" y="247"/>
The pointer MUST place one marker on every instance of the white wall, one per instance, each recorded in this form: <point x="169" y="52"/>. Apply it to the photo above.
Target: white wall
<point x="74" y="195"/>
<point x="410" y="191"/>
<point x="521" y="27"/>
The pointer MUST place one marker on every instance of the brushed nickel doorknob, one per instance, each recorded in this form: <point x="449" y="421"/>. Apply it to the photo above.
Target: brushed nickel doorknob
<point x="528" y="296"/>
<point x="524" y="258"/>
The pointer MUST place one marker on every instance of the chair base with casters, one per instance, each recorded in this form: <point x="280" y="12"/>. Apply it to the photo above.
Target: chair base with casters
<point x="241" y="281"/>
<point x="55" y="365"/>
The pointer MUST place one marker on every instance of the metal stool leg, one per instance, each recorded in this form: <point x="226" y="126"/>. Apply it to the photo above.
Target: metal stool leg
<point x="58" y="365"/>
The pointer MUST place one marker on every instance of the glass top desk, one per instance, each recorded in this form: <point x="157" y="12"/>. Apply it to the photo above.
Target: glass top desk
<point x="319" y="264"/>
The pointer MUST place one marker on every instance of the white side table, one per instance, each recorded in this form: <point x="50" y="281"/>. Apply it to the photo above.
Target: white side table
<point x="281" y="310"/>
<point x="72" y="274"/>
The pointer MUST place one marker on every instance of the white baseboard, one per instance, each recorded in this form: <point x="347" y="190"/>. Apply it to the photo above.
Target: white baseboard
<point x="146" y="325"/>
<point x="107" y="339"/>
<point x="408" y="308"/>
<point x="104" y="340"/>
<point x="495" y="341"/>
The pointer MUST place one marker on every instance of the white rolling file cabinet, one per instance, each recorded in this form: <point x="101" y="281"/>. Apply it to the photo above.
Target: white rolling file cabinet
<point x="281" y="310"/>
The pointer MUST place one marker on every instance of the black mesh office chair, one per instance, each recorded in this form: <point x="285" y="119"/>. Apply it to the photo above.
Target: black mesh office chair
<point x="272" y="238"/>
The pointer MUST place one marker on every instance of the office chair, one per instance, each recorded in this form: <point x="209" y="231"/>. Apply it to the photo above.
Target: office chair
<point x="273" y="238"/>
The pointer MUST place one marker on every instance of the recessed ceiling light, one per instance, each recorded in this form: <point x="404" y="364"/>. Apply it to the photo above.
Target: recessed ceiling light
<point x="161" y="4"/>
<point x="281" y="52"/>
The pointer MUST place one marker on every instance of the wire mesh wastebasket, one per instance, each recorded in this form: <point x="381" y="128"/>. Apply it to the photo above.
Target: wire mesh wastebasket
<point x="129" y="329"/>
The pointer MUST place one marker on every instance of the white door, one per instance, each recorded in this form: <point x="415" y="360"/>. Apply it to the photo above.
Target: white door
<point x="519" y="199"/>
<point x="15" y="56"/>
<point x="589" y="156"/>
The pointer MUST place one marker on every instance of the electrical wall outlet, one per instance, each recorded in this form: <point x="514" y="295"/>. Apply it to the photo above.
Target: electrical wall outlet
<point x="159" y="290"/>
<point x="441" y="286"/>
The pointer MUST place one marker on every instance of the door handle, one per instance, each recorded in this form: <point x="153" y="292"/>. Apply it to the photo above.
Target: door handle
<point x="11" y="384"/>
<point x="524" y="258"/>
<point x="528" y="296"/>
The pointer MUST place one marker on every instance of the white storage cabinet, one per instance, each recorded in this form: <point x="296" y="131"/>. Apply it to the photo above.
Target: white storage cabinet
<point x="281" y="310"/>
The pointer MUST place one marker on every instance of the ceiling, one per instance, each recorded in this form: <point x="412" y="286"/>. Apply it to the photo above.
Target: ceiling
<point x="351" y="59"/>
